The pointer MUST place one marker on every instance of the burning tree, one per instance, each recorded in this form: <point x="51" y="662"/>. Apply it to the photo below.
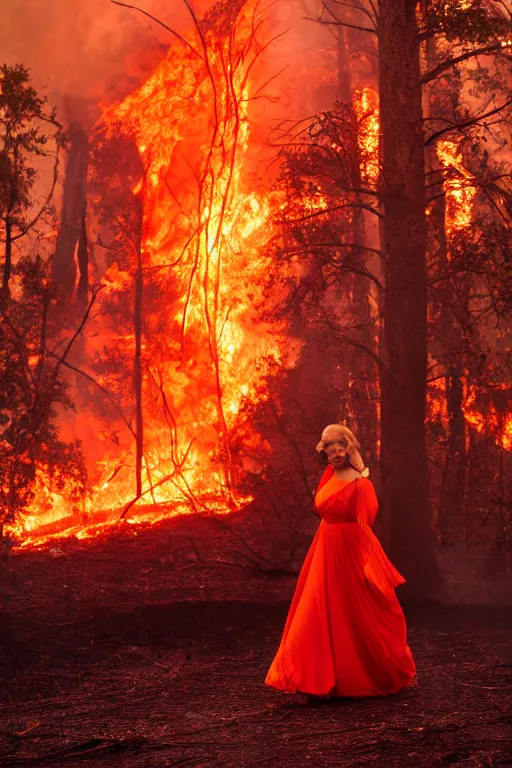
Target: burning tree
<point x="466" y="31"/>
<point x="226" y="293"/>
<point x="469" y="187"/>
<point x="176" y="199"/>
<point x="326" y="270"/>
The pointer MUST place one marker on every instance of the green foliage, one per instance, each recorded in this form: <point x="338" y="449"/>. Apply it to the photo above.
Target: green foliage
<point x="21" y="137"/>
<point x="480" y="21"/>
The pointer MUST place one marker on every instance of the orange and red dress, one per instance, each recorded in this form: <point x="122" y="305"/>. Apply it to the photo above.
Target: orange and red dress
<point x="345" y="634"/>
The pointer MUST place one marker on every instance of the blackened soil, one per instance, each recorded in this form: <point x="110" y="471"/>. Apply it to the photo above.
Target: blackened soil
<point x="142" y="658"/>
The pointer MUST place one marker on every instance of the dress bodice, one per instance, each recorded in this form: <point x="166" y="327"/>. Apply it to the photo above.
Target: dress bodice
<point x="353" y="501"/>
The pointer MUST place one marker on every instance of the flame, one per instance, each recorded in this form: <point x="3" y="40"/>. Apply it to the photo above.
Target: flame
<point x="437" y="409"/>
<point x="485" y="421"/>
<point x="492" y="422"/>
<point x="459" y="187"/>
<point x="506" y="434"/>
<point x="205" y="350"/>
<point x="366" y="106"/>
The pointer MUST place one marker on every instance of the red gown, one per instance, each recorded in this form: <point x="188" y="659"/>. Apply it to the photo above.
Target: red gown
<point x="345" y="634"/>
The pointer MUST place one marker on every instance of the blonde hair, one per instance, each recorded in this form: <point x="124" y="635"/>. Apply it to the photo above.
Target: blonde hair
<point x="338" y="432"/>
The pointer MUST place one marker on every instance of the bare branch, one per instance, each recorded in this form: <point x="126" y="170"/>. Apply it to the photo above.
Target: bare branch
<point x="338" y="265"/>
<point x="466" y="123"/>
<point x="359" y="345"/>
<point x="169" y="29"/>
<point x="295" y="448"/>
<point x="358" y="246"/>
<point x="100" y="387"/>
<point x="62" y="358"/>
<point x="44" y="207"/>
<point x="364" y="207"/>
<point x="341" y="24"/>
<point x="353" y="7"/>
<point x="361" y="271"/>
<point x="449" y="63"/>
<point x="374" y="9"/>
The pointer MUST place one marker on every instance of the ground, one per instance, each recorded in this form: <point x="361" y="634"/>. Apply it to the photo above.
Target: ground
<point x="146" y="648"/>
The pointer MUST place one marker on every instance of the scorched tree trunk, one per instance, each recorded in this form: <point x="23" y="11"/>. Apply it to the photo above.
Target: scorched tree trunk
<point x="404" y="382"/>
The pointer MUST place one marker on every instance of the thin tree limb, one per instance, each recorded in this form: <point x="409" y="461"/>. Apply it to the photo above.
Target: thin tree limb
<point x="62" y="358"/>
<point x="36" y="218"/>
<point x="341" y="24"/>
<point x="466" y="123"/>
<point x="101" y="388"/>
<point x="313" y="246"/>
<point x="449" y="63"/>
<point x="150" y="16"/>
<point x="336" y="208"/>
<point x="352" y="6"/>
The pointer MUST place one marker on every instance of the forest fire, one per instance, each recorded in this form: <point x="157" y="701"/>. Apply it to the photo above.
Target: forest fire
<point x="460" y="194"/>
<point x="256" y="382"/>
<point x="200" y="347"/>
<point x="178" y="345"/>
<point x="499" y="425"/>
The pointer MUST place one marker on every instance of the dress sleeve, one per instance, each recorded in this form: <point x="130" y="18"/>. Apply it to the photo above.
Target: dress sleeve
<point x="367" y="504"/>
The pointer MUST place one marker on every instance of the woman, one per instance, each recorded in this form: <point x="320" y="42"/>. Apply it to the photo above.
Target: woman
<point x="345" y="634"/>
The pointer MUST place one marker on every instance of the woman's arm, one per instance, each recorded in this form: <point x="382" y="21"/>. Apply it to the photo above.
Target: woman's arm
<point x="367" y="504"/>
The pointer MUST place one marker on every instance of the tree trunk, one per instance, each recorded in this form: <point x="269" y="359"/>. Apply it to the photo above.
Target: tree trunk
<point x="443" y="98"/>
<point x="82" y="254"/>
<point x="361" y="376"/>
<point x="406" y="509"/>
<point x="451" y="508"/>
<point x="453" y="492"/>
<point x="7" y="256"/>
<point x="73" y="210"/>
<point x="137" y="368"/>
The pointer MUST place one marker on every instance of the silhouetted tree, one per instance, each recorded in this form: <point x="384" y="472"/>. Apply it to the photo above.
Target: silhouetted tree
<point x="33" y="458"/>
<point x="22" y="139"/>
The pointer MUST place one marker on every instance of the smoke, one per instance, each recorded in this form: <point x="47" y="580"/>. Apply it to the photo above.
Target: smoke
<point x="85" y="54"/>
<point x="82" y="53"/>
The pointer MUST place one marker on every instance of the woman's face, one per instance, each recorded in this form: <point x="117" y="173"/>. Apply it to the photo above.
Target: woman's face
<point x="336" y="453"/>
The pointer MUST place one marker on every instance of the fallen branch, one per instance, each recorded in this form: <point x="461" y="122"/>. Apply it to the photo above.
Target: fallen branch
<point x="89" y="748"/>
<point x="20" y="734"/>
<point x="475" y="685"/>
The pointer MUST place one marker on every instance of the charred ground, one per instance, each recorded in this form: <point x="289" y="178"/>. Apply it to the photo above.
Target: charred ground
<point x="147" y="648"/>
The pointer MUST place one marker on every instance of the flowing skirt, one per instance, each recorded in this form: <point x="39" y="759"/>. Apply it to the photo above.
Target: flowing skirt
<point x="345" y="634"/>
